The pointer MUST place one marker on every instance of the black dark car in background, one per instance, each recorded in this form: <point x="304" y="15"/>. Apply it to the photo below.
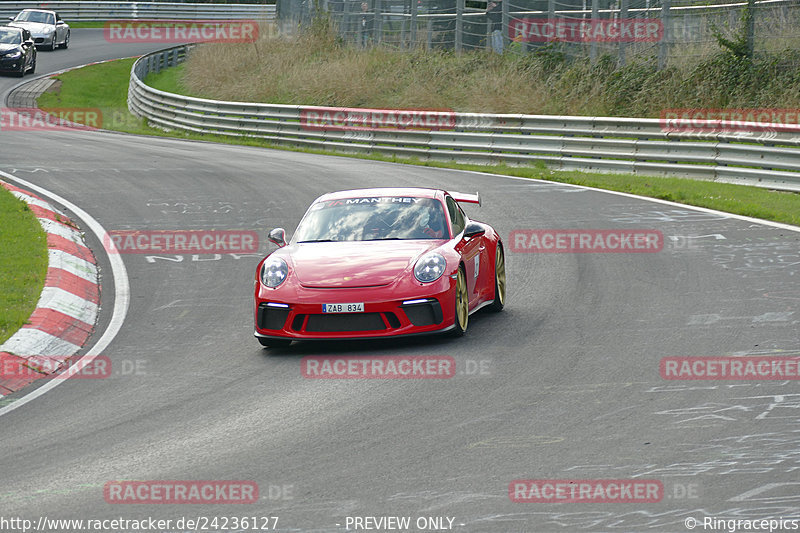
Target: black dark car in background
<point x="17" y="51"/>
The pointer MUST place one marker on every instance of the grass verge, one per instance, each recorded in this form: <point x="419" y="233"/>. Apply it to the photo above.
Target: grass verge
<point x="23" y="263"/>
<point x="105" y="86"/>
<point x="86" y="24"/>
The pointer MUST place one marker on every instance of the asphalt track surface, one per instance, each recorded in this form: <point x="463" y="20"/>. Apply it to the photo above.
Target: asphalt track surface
<point x="570" y="387"/>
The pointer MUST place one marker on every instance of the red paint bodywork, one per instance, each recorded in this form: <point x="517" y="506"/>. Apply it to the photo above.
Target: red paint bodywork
<point x="378" y="273"/>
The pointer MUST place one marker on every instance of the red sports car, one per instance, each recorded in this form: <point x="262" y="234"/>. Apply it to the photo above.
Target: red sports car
<point x="373" y="263"/>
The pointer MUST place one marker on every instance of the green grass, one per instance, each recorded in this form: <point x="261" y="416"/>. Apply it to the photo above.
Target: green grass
<point x="23" y="263"/>
<point x="105" y="86"/>
<point x="169" y="80"/>
<point x="101" y="87"/>
<point x="85" y="24"/>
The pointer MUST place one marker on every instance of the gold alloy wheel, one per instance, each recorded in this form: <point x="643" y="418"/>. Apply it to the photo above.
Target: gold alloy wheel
<point x="500" y="276"/>
<point x="462" y="302"/>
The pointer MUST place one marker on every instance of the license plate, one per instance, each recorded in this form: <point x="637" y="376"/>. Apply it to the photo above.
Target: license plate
<point x="343" y="308"/>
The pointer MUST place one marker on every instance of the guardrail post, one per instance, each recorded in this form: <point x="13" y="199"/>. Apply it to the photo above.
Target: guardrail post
<point x="505" y="23"/>
<point x="623" y="15"/>
<point x="347" y="20"/>
<point x="362" y="26"/>
<point x="459" y="25"/>
<point x="751" y="27"/>
<point x="376" y="23"/>
<point x="593" y="46"/>
<point x="414" y="10"/>
<point x="666" y="21"/>
<point x="488" y="30"/>
<point x="429" y="31"/>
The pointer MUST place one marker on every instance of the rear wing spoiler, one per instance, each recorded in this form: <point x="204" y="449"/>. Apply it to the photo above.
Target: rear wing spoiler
<point x="466" y="198"/>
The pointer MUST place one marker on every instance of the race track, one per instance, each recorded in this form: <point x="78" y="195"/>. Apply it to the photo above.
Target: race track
<point x="570" y="387"/>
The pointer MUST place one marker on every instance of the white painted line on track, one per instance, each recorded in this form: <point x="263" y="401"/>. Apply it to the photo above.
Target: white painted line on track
<point x="121" y="293"/>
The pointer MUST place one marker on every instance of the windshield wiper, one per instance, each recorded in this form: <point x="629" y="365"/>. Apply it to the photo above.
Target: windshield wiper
<point x="316" y="240"/>
<point x="385" y="239"/>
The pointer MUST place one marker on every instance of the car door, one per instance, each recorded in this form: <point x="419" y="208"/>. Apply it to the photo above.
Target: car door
<point x="471" y="248"/>
<point x="61" y="29"/>
<point x="28" y="50"/>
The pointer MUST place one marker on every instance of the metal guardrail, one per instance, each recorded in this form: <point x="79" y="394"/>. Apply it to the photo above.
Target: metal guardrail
<point x="102" y="11"/>
<point x="631" y="145"/>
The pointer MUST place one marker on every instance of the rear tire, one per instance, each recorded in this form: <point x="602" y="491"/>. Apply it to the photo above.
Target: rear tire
<point x="499" y="280"/>
<point x="461" y="320"/>
<point x="274" y="343"/>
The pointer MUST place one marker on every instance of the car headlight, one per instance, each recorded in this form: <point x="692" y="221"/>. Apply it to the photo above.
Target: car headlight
<point x="274" y="272"/>
<point x="430" y="267"/>
<point x="12" y="55"/>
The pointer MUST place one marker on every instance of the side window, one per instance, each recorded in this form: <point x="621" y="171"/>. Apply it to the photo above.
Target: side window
<point x="26" y="35"/>
<point x="456" y="216"/>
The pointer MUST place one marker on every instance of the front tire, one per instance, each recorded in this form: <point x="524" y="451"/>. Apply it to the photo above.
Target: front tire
<point x="499" y="280"/>
<point x="52" y="45"/>
<point x="274" y="343"/>
<point x="66" y="42"/>
<point x="461" y="304"/>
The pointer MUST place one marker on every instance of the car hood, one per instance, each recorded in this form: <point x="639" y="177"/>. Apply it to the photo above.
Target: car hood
<point x="354" y="264"/>
<point x="5" y="48"/>
<point x="35" y="28"/>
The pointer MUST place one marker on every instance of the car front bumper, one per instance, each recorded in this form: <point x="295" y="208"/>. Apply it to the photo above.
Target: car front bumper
<point x="11" y="65"/>
<point x="388" y="312"/>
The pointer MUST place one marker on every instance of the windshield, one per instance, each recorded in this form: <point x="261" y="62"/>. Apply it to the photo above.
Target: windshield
<point x="373" y="218"/>
<point x="10" y="36"/>
<point x="36" y="16"/>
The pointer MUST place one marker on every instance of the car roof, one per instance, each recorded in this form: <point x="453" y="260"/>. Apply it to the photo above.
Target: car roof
<point x="40" y="10"/>
<point x="415" y="192"/>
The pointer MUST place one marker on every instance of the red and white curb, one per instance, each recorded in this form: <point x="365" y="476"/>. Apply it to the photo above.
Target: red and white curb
<point x="68" y="306"/>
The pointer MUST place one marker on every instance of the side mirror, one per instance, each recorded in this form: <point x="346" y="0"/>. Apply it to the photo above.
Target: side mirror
<point x="278" y="236"/>
<point x="11" y="18"/>
<point x="474" y="229"/>
<point x="28" y="42"/>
